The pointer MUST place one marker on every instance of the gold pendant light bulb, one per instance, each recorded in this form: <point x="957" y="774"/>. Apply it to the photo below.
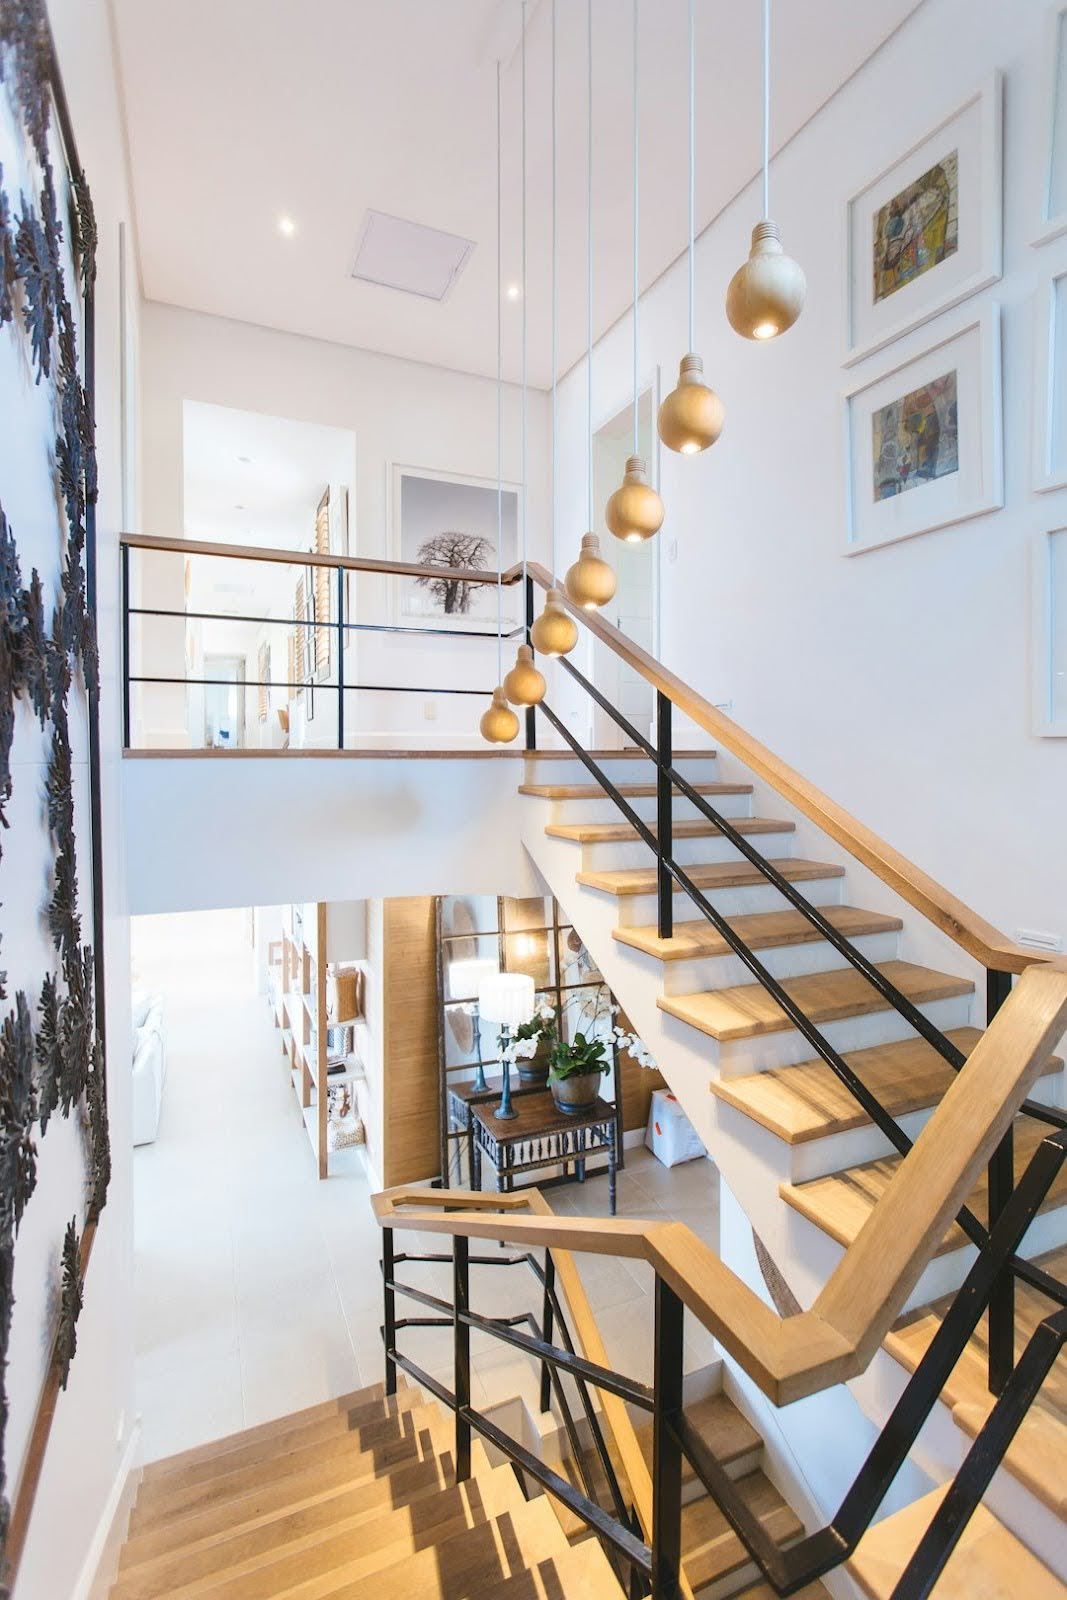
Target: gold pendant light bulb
<point x="766" y="295"/>
<point x="635" y="511"/>
<point x="554" y="633"/>
<point x="590" y="583"/>
<point x="692" y="416"/>
<point x="499" y="724"/>
<point x="524" y="685"/>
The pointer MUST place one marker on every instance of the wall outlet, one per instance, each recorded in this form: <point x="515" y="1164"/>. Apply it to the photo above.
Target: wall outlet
<point x="1036" y="940"/>
<point x="429" y="710"/>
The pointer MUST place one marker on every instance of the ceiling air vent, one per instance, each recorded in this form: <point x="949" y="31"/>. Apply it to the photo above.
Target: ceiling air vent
<point x="408" y="256"/>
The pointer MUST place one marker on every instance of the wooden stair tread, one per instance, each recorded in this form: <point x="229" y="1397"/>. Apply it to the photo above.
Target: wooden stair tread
<point x="462" y="1567"/>
<point x="161" y="1498"/>
<point x="747" y="1010"/>
<point x="315" y="1565"/>
<point x="710" y="1548"/>
<point x="841" y="1202"/>
<point x="686" y="828"/>
<point x="760" y="930"/>
<point x="763" y="1591"/>
<point x="1038" y="1453"/>
<point x="707" y="875"/>
<point x="988" y="1563"/>
<point x="726" y="1430"/>
<point x="354" y="1423"/>
<point x="293" y="1505"/>
<point x="581" y="1571"/>
<point x="357" y="1401"/>
<point x="631" y="752"/>
<point x="595" y="791"/>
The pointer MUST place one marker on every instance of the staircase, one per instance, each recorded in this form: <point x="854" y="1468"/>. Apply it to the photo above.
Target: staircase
<point x="794" y="1146"/>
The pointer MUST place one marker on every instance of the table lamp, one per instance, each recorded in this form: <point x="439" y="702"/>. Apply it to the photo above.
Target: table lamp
<point x="506" y="998"/>
<point x="464" y="979"/>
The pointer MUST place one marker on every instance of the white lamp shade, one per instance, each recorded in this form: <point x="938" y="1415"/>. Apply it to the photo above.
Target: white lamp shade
<point x="506" y="998"/>
<point x="465" y="978"/>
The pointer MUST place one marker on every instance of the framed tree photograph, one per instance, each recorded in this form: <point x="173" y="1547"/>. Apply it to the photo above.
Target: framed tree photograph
<point x="925" y="234"/>
<point x="1048" y="585"/>
<point x="1050" y="384"/>
<point x="443" y="520"/>
<point x="1052" y="203"/>
<point x="923" y="439"/>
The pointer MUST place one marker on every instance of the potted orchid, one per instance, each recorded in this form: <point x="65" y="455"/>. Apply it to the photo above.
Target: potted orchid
<point x="576" y="1067"/>
<point x="531" y="1043"/>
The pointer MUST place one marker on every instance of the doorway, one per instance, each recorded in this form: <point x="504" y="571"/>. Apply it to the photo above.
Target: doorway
<point x="224" y="702"/>
<point x="634" y="610"/>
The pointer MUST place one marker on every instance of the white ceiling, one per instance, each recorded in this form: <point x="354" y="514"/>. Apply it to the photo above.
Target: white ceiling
<point x="242" y="111"/>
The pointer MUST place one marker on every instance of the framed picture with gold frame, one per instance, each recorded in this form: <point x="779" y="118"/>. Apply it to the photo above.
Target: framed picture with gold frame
<point x="926" y="233"/>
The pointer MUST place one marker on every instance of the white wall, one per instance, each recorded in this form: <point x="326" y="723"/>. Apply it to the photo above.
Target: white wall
<point x="402" y="413"/>
<point x="897" y="680"/>
<point x="93" y="1429"/>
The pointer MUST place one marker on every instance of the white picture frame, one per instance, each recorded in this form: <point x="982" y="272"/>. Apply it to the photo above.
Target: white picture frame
<point x="973" y="134"/>
<point x="474" y="499"/>
<point x="1052" y="193"/>
<point x="1050" y="384"/>
<point x="1048" y="589"/>
<point x="968" y="351"/>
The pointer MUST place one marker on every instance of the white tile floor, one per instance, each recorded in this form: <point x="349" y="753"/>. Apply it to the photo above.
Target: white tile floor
<point x="257" y="1286"/>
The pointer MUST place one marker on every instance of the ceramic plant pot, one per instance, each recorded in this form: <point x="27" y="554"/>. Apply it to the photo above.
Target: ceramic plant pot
<point x="577" y="1093"/>
<point x="533" y="1070"/>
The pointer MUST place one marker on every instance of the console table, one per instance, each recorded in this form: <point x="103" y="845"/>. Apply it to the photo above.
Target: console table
<point x="540" y="1135"/>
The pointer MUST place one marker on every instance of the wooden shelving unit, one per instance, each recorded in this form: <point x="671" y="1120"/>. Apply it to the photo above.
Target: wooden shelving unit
<point x="299" y="964"/>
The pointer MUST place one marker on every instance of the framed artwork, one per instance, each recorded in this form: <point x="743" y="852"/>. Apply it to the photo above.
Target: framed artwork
<point x="442" y="520"/>
<point x="263" y="685"/>
<point x="923" y="439"/>
<point x="1052" y="205"/>
<point x="1050" y="385"/>
<point x="1049" y="634"/>
<point x="925" y="234"/>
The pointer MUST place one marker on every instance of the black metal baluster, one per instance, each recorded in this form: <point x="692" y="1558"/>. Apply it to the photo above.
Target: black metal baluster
<point x="389" y="1322"/>
<point x="666" y="1450"/>
<point x="124" y="560"/>
<point x="531" y="711"/>
<point x="1001" y="1182"/>
<point x="547" y="1329"/>
<point x="664" y="816"/>
<point x="340" y="658"/>
<point x="461" y="1335"/>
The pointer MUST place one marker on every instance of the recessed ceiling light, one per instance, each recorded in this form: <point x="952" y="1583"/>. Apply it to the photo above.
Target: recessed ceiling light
<point x="238" y="508"/>
<point x="514" y="291"/>
<point x="245" y="459"/>
<point x="286" y="226"/>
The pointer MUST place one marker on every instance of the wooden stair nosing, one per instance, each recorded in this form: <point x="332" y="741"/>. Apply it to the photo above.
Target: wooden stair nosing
<point x="580" y="1570"/>
<point x="707" y="875"/>
<point x="631" y="752"/>
<point x="162" y="1499"/>
<point x="711" y="1550"/>
<point x="840" y="1202"/>
<point x="687" y="828"/>
<point x="403" y="1481"/>
<point x="747" y="1011"/>
<point x="367" y="1547"/>
<point x="989" y="1562"/>
<point x="726" y="1431"/>
<point x="760" y="930"/>
<point x="630" y="791"/>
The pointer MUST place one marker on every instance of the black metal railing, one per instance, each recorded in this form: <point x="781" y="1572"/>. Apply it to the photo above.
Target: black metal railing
<point x="337" y="624"/>
<point x="655" y="1566"/>
<point x="671" y="876"/>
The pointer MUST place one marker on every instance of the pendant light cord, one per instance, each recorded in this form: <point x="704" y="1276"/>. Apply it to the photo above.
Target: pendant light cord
<point x="637" y="190"/>
<point x="555" y="308"/>
<point x="589" y="257"/>
<point x="692" y="173"/>
<point x="499" y="402"/>
<point x="766" y="109"/>
<point x="525" y="396"/>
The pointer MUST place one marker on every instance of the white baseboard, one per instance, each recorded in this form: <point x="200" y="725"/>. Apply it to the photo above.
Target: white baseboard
<point x="101" y="1565"/>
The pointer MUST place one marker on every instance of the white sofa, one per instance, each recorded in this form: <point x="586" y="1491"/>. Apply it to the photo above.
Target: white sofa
<point x="149" y="1064"/>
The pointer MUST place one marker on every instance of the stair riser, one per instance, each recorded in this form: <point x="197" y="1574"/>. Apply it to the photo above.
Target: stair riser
<point x="634" y="769"/>
<point x="638" y="910"/>
<point x="601" y="808"/>
<point x="615" y="855"/>
<point x="786" y="961"/>
<point x="788" y="1047"/>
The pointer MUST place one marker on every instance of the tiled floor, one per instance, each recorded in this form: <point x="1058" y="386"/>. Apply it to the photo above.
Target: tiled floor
<point x="257" y="1285"/>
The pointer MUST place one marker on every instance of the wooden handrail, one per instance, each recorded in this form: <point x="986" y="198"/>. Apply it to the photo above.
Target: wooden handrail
<point x="965" y="927"/>
<point x="790" y="1357"/>
<point x="309" y="558"/>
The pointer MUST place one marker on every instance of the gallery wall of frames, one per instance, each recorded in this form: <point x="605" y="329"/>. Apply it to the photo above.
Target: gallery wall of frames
<point x="53" y="1102"/>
